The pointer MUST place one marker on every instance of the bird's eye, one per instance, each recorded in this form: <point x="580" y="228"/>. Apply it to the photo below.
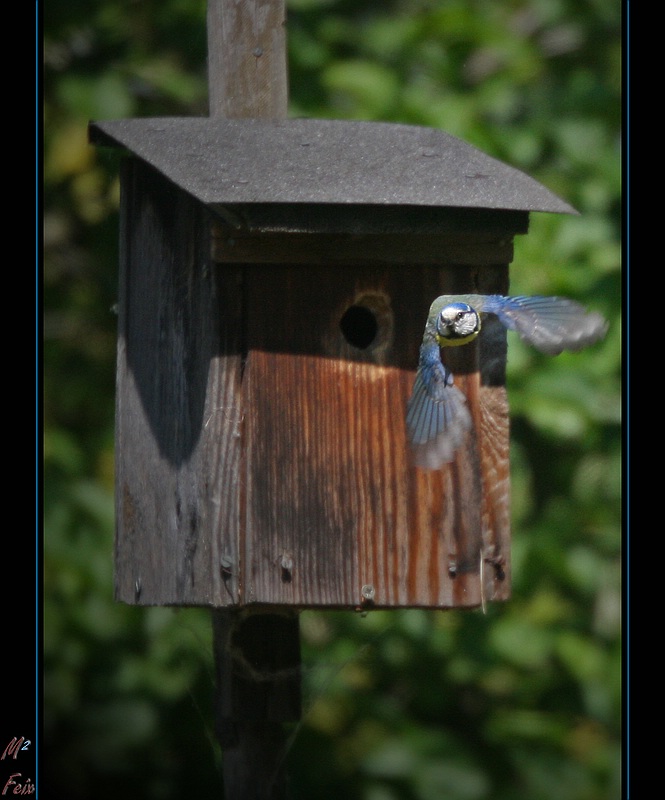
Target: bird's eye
<point x="460" y="314"/>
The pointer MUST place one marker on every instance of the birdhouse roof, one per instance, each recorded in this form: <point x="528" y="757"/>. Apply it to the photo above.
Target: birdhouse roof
<point x="309" y="161"/>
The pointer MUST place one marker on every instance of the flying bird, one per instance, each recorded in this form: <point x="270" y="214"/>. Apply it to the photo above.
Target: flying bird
<point x="438" y="418"/>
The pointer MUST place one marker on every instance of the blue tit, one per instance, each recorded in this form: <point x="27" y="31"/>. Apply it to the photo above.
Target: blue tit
<point x="438" y="418"/>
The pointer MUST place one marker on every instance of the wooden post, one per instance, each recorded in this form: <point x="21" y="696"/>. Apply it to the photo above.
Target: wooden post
<point x="247" y="74"/>
<point x="257" y="654"/>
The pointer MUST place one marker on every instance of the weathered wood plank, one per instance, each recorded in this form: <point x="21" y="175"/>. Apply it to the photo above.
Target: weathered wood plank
<point x="177" y="414"/>
<point x="230" y="247"/>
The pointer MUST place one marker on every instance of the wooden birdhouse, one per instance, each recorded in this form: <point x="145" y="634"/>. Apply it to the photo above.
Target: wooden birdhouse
<point x="275" y="281"/>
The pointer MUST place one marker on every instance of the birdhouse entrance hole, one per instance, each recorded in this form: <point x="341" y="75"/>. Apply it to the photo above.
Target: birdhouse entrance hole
<point x="359" y="326"/>
<point x="367" y="322"/>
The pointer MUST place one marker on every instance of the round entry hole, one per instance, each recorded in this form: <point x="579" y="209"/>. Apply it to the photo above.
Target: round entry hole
<point x="359" y="326"/>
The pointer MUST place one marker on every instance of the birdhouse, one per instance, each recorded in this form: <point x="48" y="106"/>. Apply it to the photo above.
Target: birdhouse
<point x="275" y="278"/>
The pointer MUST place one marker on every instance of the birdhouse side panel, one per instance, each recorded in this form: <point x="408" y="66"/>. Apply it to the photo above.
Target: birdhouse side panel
<point x="494" y="426"/>
<point x="177" y="415"/>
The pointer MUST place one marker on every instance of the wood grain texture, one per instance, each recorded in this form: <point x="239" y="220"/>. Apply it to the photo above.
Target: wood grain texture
<point x="247" y="70"/>
<point x="177" y="409"/>
<point x="331" y="490"/>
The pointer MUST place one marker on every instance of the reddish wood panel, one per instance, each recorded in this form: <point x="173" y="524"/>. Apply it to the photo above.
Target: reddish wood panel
<point x="331" y="490"/>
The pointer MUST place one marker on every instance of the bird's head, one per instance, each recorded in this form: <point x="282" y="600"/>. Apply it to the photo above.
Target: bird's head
<point x="457" y="323"/>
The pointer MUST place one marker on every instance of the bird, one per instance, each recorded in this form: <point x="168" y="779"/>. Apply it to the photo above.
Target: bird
<point x="437" y="417"/>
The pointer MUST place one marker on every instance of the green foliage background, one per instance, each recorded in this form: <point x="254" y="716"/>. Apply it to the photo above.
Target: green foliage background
<point x="523" y="703"/>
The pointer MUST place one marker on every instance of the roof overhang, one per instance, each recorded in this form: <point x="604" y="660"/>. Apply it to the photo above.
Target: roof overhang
<point x="279" y="166"/>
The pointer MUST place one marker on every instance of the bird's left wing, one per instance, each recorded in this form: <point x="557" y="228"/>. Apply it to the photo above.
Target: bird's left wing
<point x="550" y="324"/>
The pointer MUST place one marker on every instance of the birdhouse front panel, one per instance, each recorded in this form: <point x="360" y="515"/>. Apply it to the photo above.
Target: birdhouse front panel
<point x="335" y="512"/>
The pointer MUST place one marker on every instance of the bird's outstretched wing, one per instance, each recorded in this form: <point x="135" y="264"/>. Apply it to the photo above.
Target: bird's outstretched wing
<point x="437" y="416"/>
<point x="550" y="324"/>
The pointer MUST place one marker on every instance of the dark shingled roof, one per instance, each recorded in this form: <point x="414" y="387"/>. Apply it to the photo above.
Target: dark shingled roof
<point x="243" y="162"/>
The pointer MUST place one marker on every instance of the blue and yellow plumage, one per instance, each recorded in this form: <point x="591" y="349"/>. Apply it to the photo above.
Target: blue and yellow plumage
<point x="437" y="418"/>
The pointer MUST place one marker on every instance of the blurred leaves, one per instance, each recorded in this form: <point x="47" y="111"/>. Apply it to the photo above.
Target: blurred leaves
<point x="523" y="703"/>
